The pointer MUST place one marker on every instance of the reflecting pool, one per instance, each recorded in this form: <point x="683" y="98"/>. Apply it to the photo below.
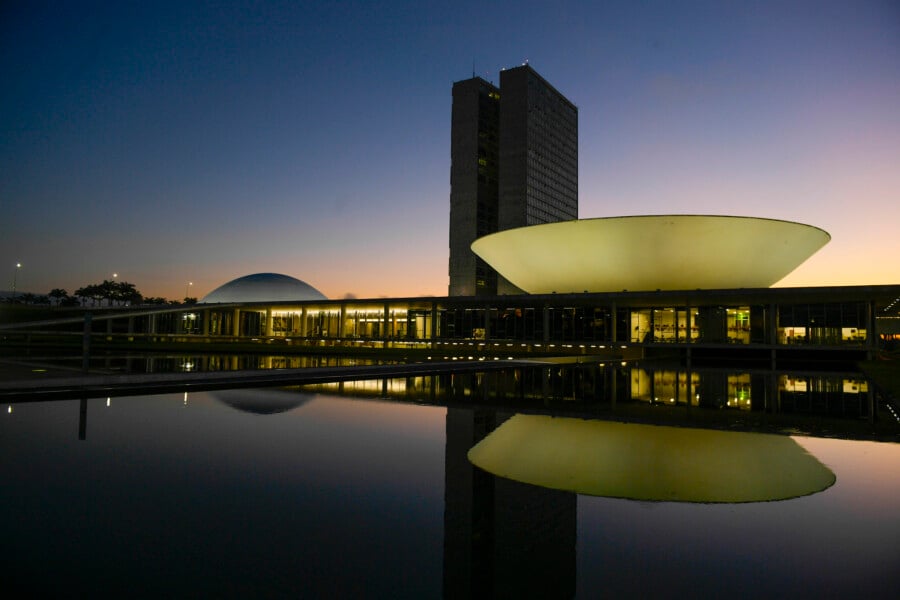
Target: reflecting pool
<point x="303" y="492"/>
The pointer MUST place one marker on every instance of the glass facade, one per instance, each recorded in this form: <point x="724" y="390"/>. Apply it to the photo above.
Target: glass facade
<point x="811" y="324"/>
<point x="758" y="320"/>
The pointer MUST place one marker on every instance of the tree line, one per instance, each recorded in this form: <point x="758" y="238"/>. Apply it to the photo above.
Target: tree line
<point x="112" y="293"/>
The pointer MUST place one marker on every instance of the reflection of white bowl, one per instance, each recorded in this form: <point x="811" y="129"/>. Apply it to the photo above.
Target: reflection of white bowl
<point x="649" y="462"/>
<point x="671" y="252"/>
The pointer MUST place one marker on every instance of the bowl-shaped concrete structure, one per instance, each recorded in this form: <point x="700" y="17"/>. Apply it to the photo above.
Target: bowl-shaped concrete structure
<point x="666" y="252"/>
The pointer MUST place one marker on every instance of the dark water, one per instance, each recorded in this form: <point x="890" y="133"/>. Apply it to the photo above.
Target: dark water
<point x="305" y="493"/>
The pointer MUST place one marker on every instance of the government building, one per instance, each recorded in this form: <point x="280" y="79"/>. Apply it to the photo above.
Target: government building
<point x="514" y="162"/>
<point x="526" y="275"/>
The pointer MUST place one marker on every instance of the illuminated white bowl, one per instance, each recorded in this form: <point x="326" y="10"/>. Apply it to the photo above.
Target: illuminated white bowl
<point x="651" y="252"/>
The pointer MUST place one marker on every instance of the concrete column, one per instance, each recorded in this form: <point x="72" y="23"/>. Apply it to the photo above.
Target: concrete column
<point x="487" y="322"/>
<point x="614" y="322"/>
<point x="303" y="328"/>
<point x="772" y="334"/>
<point x="236" y="322"/>
<point x="206" y="316"/>
<point x="386" y="324"/>
<point x="545" y="337"/>
<point x="434" y="327"/>
<point x="772" y="324"/>
<point x="871" y="332"/>
<point x="267" y="329"/>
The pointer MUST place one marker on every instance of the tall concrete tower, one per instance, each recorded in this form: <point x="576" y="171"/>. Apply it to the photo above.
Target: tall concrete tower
<point x="514" y="162"/>
<point x="474" y="156"/>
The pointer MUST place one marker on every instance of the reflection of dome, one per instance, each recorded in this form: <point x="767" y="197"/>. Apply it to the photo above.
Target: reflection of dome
<point x="263" y="287"/>
<point x="261" y="401"/>
<point x="668" y="252"/>
<point x="650" y="462"/>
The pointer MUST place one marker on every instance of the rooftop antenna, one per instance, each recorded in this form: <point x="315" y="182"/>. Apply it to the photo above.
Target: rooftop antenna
<point x="473" y="67"/>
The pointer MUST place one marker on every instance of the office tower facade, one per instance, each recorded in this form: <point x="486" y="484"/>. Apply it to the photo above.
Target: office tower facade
<point x="474" y="186"/>
<point x="514" y="162"/>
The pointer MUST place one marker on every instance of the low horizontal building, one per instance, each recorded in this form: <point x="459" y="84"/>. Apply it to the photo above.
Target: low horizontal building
<point x="856" y="319"/>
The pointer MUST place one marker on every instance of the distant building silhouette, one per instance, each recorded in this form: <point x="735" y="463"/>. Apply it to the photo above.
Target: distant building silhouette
<point x="514" y="162"/>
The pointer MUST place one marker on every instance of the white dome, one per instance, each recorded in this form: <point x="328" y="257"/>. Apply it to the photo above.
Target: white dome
<point x="666" y="252"/>
<point x="263" y="287"/>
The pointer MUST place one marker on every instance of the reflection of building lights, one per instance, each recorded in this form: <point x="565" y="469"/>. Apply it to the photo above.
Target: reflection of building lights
<point x="9" y="410"/>
<point x="185" y="398"/>
<point x="107" y="401"/>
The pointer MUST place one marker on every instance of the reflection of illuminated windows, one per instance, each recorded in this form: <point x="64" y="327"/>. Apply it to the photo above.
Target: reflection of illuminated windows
<point x="789" y="384"/>
<point x="855" y="386"/>
<point x="665" y="387"/>
<point x="739" y="394"/>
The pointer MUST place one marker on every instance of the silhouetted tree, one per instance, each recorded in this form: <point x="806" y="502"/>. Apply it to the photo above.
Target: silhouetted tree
<point x="59" y="295"/>
<point x="114" y="292"/>
<point x="89" y="292"/>
<point x="125" y="292"/>
<point x="108" y="291"/>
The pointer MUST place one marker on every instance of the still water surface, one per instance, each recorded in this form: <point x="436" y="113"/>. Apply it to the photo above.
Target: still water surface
<point x="294" y="493"/>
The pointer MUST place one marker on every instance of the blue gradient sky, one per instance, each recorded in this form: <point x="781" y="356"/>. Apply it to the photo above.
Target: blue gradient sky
<point x="172" y="142"/>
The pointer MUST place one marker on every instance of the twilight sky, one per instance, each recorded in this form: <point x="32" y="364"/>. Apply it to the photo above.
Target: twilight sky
<point x="176" y="142"/>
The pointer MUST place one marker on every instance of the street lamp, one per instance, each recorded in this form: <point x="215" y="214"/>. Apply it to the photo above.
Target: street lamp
<point x="187" y="289"/>
<point x="15" y="277"/>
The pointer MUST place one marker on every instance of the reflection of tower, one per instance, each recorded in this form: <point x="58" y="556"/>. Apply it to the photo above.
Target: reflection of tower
<point x="502" y="538"/>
